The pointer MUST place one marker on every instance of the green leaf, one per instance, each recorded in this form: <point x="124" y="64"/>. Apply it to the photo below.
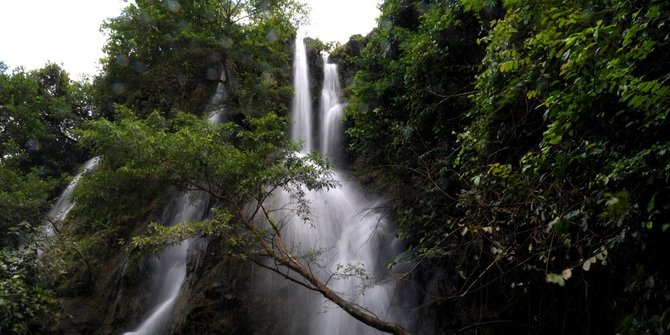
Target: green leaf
<point x="554" y="278"/>
<point x="652" y="203"/>
<point x="586" y="266"/>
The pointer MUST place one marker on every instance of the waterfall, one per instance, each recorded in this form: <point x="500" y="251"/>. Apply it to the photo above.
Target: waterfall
<point x="64" y="203"/>
<point x="170" y="266"/>
<point x="351" y="239"/>
<point x="169" y="269"/>
<point x="301" y="120"/>
<point x="331" y="113"/>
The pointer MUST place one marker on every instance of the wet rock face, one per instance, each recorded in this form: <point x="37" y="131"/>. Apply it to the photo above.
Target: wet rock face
<point x="119" y="293"/>
<point x="215" y="297"/>
<point x="108" y="307"/>
<point x="131" y="293"/>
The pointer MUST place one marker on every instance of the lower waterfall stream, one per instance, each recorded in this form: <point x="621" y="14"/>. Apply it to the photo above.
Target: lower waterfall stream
<point x="170" y="266"/>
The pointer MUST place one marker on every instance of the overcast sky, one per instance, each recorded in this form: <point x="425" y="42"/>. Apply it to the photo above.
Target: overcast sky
<point x="66" y="32"/>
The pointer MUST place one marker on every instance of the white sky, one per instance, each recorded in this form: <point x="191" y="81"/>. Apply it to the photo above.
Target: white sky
<point x="336" y="20"/>
<point x="66" y="32"/>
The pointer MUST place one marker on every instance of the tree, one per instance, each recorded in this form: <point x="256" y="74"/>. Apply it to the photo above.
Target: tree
<point x="26" y="306"/>
<point x="38" y="111"/>
<point x="237" y="166"/>
<point x="170" y="55"/>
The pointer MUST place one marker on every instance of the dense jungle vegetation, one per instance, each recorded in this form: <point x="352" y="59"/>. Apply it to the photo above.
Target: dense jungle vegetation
<point x="524" y="148"/>
<point x="525" y="144"/>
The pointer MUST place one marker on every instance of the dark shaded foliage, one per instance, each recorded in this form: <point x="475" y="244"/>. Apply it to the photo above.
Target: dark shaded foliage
<point x="525" y="147"/>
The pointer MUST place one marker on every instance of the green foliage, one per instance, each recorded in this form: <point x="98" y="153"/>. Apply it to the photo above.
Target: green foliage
<point x="23" y="202"/>
<point x="553" y="172"/>
<point x="158" y="51"/>
<point x="170" y="55"/>
<point x="407" y="102"/>
<point x="234" y="164"/>
<point x="192" y="153"/>
<point x="262" y="62"/>
<point x="158" y="236"/>
<point x="38" y="111"/>
<point x="26" y="306"/>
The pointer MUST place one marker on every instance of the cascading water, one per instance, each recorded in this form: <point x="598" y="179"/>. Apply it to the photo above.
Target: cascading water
<point x="301" y="123"/>
<point x="351" y="240"/>
<point x="64" y="203"/>
<point x="331" y="113"/>
<point x="169" y="270"/>
<point x="170" y="266"/>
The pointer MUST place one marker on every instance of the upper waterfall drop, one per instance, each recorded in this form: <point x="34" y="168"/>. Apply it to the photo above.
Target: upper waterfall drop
<point x="301" y="115"/>
<point x="347" y="241"/>
<point x="331" y="113"/>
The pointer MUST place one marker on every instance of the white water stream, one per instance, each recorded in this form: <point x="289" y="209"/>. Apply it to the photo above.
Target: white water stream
<point x="301" y="123"/>
<point x="170" y="267"/>
<point x="64" y="203"/>
<point x="331" y="114"/>
<point x="169" y="270"/>
<point x="352" y="240"/>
